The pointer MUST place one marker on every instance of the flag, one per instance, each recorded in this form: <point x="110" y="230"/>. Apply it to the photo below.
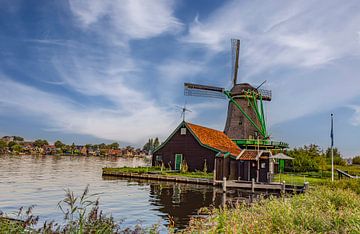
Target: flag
<point x="332" y="130"/>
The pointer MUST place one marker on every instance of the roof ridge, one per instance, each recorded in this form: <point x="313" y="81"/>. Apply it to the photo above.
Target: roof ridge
<point x="205" y="127"/>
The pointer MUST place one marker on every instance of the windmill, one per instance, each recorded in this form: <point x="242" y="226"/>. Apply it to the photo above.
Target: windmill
<point x="245" y="114"/>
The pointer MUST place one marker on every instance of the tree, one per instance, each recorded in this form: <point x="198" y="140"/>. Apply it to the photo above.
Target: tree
<point x="16" y="148"/>
<point x="307" y="158"/>
<point x="337" y="157"/>
<point x="356" y="160"/>
<point x="72" y="147"/>
<point x="2" y="146"/>
<point x="114" y="145"/>
<point x="156" y="143"/>
<point x="18" y="138"/>
<point x="59" y="144"/>
<point x="40" y="143"/>
<point x="102" y="146"/>
<point x="11" y="144"/>
<point x="151" y="144"/>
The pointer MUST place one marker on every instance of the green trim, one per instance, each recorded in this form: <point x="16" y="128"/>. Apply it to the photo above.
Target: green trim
<point x="228" y="94"/>
<point x="262" y="113"/>
<point x="261" y="143"/>
<point x="254" y="106"/>
<point x="167" y="139"/>
<point x="227" y="154"/>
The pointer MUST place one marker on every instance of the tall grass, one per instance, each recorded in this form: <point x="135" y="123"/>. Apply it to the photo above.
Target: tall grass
<point x="81" y="215"/>
<point x="321" y="210"/>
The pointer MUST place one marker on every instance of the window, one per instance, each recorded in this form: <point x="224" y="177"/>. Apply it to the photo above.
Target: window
<point x="263" y="165"/>
<point x="183" y="131"/>
<point x="158" y="158"/>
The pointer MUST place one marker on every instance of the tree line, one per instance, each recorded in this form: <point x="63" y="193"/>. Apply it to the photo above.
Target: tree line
<point x="313" y="158"/>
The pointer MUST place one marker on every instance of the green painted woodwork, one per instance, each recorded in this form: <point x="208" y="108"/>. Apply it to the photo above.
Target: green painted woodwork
<point x="262" y="143"/>
<point x="281" y="166"/>
<point x="262" y="129"/>
<point x="178" y="161"/>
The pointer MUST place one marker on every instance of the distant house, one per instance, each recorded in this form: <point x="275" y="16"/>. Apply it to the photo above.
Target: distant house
<point x="114" y="152"/>
<point x="84" y="151"/>
<point x="49" y="149"/>
<point x="194" y="144"/>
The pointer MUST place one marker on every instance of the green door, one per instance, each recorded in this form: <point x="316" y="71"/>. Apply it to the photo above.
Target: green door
<point x="281" y="166"/>
<point x="178" y="161"/>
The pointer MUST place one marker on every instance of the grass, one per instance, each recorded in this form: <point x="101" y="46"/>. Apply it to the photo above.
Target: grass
<point x="157" y="170"/>
<point x="315" y="178"/>
<point x="139" y="170"/>
<point x="324" y="209"/>
<point x="81" y="215"/>
<point x="298" y="179"/>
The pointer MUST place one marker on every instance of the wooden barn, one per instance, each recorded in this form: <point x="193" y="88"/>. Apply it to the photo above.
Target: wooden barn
<point x="194" y="144"/>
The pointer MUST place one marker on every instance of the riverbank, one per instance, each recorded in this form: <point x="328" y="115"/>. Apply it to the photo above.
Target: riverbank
<point x="330" y="208"/>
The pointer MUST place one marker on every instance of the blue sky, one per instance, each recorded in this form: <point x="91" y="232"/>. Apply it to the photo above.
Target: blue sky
<point x="101" y="71"/>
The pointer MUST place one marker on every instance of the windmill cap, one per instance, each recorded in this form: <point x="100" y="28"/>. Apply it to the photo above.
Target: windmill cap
<point x="239" y="89"/>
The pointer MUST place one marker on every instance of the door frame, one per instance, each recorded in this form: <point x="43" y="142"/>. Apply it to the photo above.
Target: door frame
<point x="175" y="161"/>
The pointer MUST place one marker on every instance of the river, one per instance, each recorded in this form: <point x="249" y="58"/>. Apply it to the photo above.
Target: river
<point x="41" y="180"/>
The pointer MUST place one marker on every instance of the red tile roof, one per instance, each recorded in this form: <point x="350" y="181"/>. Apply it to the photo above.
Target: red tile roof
<point x="249" y="155"/>
<point x="214" y="139"/>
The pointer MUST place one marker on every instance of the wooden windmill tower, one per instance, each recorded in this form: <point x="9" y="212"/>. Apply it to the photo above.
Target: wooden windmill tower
<point x="245" y="122"/>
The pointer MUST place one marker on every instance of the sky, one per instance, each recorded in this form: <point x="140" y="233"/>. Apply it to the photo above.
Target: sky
<point x="91" y="71"/>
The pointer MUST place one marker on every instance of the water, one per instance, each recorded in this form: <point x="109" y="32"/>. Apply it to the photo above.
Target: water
<point x="41" y="180"/>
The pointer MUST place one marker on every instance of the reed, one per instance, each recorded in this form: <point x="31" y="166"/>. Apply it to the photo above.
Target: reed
<point x="324" y="209"/>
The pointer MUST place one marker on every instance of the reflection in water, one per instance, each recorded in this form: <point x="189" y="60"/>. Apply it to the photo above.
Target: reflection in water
<point x="182" y="201"/>
<point x="41" y="180"/>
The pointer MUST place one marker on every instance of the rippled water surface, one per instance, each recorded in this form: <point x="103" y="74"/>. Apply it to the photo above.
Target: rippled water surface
<point x="41" y="180"/>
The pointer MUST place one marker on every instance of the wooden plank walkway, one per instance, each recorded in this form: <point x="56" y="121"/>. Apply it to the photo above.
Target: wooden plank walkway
<point x="229" y="184"/>
<point x="181" y="179"/>
<point x="343" y="173"/>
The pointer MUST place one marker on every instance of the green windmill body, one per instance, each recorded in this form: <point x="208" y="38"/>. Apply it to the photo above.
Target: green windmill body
<point x="245" y="123"/>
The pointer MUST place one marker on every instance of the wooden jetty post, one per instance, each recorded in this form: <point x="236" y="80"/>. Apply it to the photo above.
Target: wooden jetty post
<point x="224" y="184"/>
<point x="283" y="187"/>
<point x="306" y="186"/>
<point x="252" y="185"/>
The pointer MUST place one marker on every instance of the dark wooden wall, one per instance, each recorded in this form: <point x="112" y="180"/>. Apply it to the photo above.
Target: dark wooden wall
<point x="193" y="153"/>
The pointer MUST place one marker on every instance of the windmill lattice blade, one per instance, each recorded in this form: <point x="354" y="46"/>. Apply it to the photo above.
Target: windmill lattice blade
<point x="235" y="50"/>
<point x="203" y="91"/>
<point x="266" y="94"/>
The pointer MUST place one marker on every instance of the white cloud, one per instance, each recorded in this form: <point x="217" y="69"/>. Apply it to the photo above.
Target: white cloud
<point x="135" y="19"/>
<point x="144" y="120"/>
<point x="355" y="120"/>
<point x="307" y="50"/>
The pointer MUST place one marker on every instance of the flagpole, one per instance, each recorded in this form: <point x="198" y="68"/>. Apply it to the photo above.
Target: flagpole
<point x="332" y="147"/>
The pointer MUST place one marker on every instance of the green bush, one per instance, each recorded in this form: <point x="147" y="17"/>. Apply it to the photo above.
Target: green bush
<point x="356" y="160"/>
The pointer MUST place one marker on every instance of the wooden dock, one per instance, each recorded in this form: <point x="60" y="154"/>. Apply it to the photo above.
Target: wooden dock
<point x="225" y="184"/>
<point x="252" y="185"/>
<point x="180" y="179"/>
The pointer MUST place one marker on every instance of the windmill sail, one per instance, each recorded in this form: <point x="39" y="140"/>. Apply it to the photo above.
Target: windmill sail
<point x="203" y="91"/>
<point x="235" y="45"/>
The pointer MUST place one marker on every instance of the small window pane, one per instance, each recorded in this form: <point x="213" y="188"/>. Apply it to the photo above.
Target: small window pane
<point x="183" y="131"/>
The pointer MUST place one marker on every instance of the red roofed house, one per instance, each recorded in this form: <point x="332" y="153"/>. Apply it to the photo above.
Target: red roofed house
<point x="250" y="163"/>
<point x="196" y="145"/>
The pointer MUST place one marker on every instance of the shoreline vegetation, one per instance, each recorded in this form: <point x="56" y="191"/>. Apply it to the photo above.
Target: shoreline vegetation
<point x="326" y="208"/>
<point x="159" y="171"/>
<point x="16" y="145"/>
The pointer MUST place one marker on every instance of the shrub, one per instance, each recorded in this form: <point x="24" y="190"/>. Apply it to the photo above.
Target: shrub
<point x="356" y="160"/>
